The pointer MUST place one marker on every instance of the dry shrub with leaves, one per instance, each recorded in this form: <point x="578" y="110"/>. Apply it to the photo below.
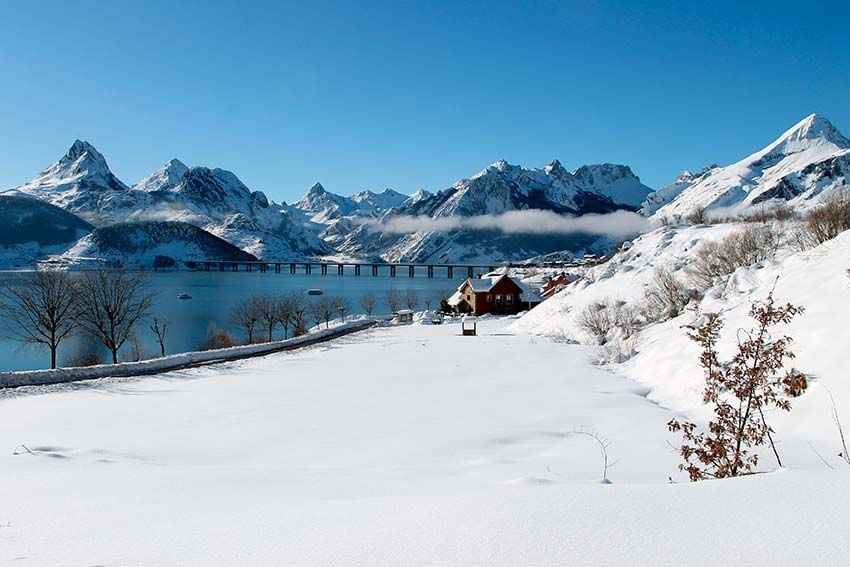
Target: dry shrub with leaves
<point x="754" y="381"/>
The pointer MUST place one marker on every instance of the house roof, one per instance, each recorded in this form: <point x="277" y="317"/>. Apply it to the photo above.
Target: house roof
<point x="486" y="283"/>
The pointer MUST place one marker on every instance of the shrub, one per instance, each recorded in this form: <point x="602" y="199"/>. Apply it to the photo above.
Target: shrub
<point x="85" y="359"/>
<point x="745" y="247"/>
<point x="217" y="338"/>
<point x="665" y="296"/>
<point x="825" y="221"/>
<point x="698" y="216"/>
<point x="599" y="319"/>
<point x="741" y="391"/>
<point x="596" y="321"/>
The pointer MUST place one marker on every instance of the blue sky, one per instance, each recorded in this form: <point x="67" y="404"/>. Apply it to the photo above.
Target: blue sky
<point x="409" y="95"/>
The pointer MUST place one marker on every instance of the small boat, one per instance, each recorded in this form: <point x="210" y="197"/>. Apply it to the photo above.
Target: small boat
<point x="314" y="291"/>
<point x="184" y="295"/>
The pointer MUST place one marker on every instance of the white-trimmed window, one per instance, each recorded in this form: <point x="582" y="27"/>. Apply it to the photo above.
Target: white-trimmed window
<point x="498" y="299"/>
<point x="509" y="299"/>
<point x="489" y="298"/>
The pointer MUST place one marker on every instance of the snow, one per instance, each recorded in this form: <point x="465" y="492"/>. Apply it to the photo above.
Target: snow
<point x="370" y="451"/>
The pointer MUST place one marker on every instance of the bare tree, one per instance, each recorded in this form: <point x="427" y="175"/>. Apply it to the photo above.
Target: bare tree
<point x="429" y="300"/>
<point x="159" y="328"/>
<point x="285" y="314"/>
<point x="323" y="310"/>
<point x="393" y="300"/>
<point x="299" y="306"/>
<point x="112" y="301"/>
<point x="245" y="315"/>
<point x="342" y="306"/>
<point x="411" y="298"/>
<point x="43" y="309"/>
<point x="317" y="311"/>
<point x="368" y="302"/>
<point x="269" y="314"/>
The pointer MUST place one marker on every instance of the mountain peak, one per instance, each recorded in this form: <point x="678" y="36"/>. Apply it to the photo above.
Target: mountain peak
<point x="812" y="127"/>
<point x="316" y="189"/>
<point x="86" y="154"/>
<point x="554" y="166"/>
<point x="164" y="179"/>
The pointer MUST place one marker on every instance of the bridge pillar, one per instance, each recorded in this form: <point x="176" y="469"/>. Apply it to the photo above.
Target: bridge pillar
<point x="308" y="268"/>
<point x="221" y="266"/>
<point x="339" y="269"/>
<point x="324" y="269"/>
<point x="356" y="269"/>
<point x="430" y="271"/>
<point x="450" y="271"/>
<point x="411" y="271"/>
<point x="249" y="267"/>
<point x="292" y="268"/>
<point x="392" y="270"/>
<point x="234" y="267"/>
<point x="470" y="271"/>
<point x="277" y="268"/>
<point x="374" y="269"/>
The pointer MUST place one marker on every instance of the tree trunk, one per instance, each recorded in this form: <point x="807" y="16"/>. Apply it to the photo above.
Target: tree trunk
<point x="53" y="356"/>
<point x="114" y="356"/>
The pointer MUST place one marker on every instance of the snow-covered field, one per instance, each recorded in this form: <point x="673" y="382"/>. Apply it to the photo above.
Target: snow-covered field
<point x="399" y="446"/>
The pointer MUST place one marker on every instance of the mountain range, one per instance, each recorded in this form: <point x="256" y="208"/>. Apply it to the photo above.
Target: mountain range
<point x="808" y="161"/>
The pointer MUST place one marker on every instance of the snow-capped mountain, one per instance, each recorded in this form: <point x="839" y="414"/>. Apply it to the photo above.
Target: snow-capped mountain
<point x="371" y="202"/>
<point x="668" y="193"/>
<point x="324" y="207"/>
<point x="809" y="160"/>
<point x="82" y="183"/>
<point x="502" y="188"/>
<point x="165" y="178"/>
<point x="213" y="199"/>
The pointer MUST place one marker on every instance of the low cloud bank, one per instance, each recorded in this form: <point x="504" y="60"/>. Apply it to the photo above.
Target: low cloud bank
<point x="616" y="224"/>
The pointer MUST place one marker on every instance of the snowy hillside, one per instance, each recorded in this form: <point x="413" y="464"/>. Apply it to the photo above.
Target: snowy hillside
<point x="666" y="361"/>
<point x="138" y="244"/>
<point x="808" y="161"/>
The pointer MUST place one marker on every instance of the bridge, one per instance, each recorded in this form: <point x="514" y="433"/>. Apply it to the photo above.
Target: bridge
<point x="357" y="268"/>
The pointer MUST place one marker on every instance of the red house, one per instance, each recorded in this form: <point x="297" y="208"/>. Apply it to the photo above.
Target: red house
<point x="500" y="295"/>
<point x="556" y="284"/>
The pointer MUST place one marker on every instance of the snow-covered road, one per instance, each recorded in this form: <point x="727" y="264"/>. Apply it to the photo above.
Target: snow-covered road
<point x="397" y="446"/>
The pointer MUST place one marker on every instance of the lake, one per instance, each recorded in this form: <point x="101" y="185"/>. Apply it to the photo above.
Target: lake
<point x="213" y="295"/>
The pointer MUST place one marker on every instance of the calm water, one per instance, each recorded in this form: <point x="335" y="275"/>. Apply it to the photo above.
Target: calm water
<point x="214" y="293"/>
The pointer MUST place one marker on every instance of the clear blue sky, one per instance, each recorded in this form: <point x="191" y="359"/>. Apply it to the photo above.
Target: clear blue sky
<point x="400" y="94"/>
